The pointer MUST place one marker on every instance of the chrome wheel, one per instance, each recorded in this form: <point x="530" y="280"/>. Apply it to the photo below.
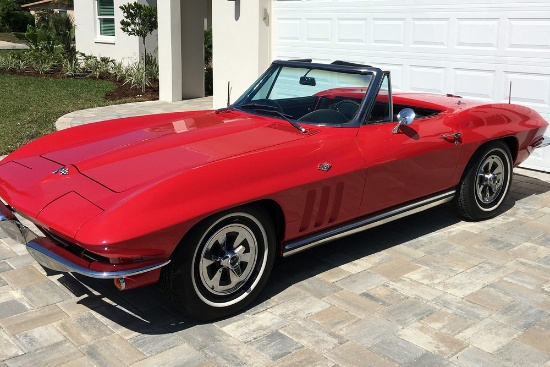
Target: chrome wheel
<point x="228" y="259"/>
<point x="222" y="264"/>
<point x="485" y="183"/>
<point x="490" y="179"/>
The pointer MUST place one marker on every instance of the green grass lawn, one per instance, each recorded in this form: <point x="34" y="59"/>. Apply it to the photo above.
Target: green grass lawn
<point x="12" y="37"/>
<point x="29" y="106"/>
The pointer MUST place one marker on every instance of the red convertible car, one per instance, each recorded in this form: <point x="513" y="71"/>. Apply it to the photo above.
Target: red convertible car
<point x="205" y="201"/>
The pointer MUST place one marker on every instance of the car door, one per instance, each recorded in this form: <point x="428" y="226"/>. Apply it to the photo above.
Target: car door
<point x="327" y="177"/>
<point x="419" y="160"/>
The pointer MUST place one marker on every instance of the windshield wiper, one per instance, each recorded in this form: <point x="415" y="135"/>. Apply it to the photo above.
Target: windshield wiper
<point x="275" y="111"/>
<point x="259" y="106"/>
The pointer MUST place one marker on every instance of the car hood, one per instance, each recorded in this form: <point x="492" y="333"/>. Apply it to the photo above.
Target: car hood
<point x="160" y="146"/>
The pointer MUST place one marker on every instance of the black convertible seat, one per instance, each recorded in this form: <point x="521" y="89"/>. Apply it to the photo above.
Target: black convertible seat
<point x="324" y="117"/>
<point x="347" y="108"/>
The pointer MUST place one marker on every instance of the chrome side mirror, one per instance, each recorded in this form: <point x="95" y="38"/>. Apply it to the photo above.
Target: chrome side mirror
<point x="404" y="117"/>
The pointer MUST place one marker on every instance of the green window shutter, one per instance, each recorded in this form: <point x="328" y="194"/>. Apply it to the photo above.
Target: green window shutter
<point x="107" y="27"/>
<point x="105" y="8"/>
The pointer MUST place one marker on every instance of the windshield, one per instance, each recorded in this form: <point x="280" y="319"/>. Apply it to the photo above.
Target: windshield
<point x="307" y="94"/>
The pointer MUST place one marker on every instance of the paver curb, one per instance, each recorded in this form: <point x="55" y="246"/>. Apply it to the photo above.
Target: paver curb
<point x="12" y="46"/>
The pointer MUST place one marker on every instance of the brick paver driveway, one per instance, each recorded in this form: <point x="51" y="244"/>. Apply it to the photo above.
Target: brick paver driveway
<point x="428" y="290"/>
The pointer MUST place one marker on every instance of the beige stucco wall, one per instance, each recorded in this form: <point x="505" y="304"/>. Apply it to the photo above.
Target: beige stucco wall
<point x="181" y="47"/>
<point x="241" y="45"/>
<point x="123" y="48"/>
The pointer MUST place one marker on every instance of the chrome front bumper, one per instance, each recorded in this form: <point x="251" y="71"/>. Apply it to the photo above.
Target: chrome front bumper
<point x="37" y="248"/>
<point x="53" y="261"/>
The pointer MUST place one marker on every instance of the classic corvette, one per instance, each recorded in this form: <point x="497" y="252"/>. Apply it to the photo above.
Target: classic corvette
<point x="205" y="201"/>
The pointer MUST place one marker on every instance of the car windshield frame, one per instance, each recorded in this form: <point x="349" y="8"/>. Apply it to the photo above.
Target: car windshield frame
<point x="247" y="99"/>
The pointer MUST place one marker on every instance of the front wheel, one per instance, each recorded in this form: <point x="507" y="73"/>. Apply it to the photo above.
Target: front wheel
<point x="485" y="183"/>
<point x="223" y="264"/>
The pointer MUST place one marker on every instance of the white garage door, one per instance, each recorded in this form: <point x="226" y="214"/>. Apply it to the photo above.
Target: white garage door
<point x="469" y="48"/>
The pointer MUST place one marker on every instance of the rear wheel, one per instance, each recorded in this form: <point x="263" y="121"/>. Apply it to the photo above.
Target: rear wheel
<point x="485" y="183"/>
<point x="223" y="264"/>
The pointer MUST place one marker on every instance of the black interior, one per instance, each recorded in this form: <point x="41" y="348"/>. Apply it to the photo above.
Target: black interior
<point x="298" y="107"/>
<point x="420" y="112"/>
<point x="324" y="116"/>
<point x="321" y="109"/>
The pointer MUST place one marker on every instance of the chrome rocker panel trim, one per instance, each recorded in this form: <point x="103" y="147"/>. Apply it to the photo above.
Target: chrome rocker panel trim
<point x="51" y="260"/>
<point x="293" y="247"/>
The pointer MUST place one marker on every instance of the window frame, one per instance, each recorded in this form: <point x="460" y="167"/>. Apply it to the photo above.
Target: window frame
<point x="100" y="38"/>
<point x="386" y="77"/>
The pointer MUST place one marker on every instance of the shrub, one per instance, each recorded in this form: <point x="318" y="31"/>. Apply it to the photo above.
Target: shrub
<point x="41" y="39"/>
<point x="118" y="70"/>
<point x="40" y="60"/>
<point x="19" y="21"/>
<point x="208" y="72"/>
<point x="14" y="61"/>
<point x="12" y="17"/>
<point x="53" y="30"/>
<point x="208" y="81"/>
<point x="135" y="75"/>
<point x="97" y="67"/>
<point x="208" y="47"/>
<point x="70" y="67"/>
<point x="43" y="62"/>
<point x="152" y="68"/>
<point x="63" y="28"/>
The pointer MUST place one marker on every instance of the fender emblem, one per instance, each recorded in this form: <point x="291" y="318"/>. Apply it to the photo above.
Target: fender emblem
<point x="324" y="167"/>
<point x="63" y="171"/>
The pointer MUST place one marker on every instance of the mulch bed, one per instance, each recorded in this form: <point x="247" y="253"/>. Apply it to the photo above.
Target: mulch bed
<point x="125" y="91"/>
<point x="122" y="91"/>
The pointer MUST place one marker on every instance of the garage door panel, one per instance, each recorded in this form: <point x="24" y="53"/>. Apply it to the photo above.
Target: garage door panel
<point x="475" y="83"/>
<point x="427" y="79"/>
<point x="388" y="32"/>
<point x="477" y="34"/>
<point x="289" y="30"/>
<point x="472" y="48"/>
<point x="532" y="90"/>
<point x="319" y="30"/>
<point x="430" y="32"/>
<point x="528" y="34"/>
<point x="352" y="31"/>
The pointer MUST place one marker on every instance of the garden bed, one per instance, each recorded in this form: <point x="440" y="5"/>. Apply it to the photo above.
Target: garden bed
<point x="122" y="90"/>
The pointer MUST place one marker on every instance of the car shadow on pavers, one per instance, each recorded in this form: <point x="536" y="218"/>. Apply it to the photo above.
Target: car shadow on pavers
<point x="147" y="310"/>
<point x="361" y="251"/>
<point x="526" y="189"/>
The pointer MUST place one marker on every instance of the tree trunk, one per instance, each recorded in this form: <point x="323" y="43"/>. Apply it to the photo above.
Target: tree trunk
<point x="144" y="67"/>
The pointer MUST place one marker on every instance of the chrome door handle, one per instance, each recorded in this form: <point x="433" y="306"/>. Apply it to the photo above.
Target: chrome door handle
<point x="454" y="136"/>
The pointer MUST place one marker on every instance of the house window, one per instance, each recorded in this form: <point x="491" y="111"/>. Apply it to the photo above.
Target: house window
<point x="106" y="18"/>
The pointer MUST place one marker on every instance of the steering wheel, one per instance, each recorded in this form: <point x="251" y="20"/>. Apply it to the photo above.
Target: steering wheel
<point x="270" y="102"/>
<point x="346" y="107"/>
